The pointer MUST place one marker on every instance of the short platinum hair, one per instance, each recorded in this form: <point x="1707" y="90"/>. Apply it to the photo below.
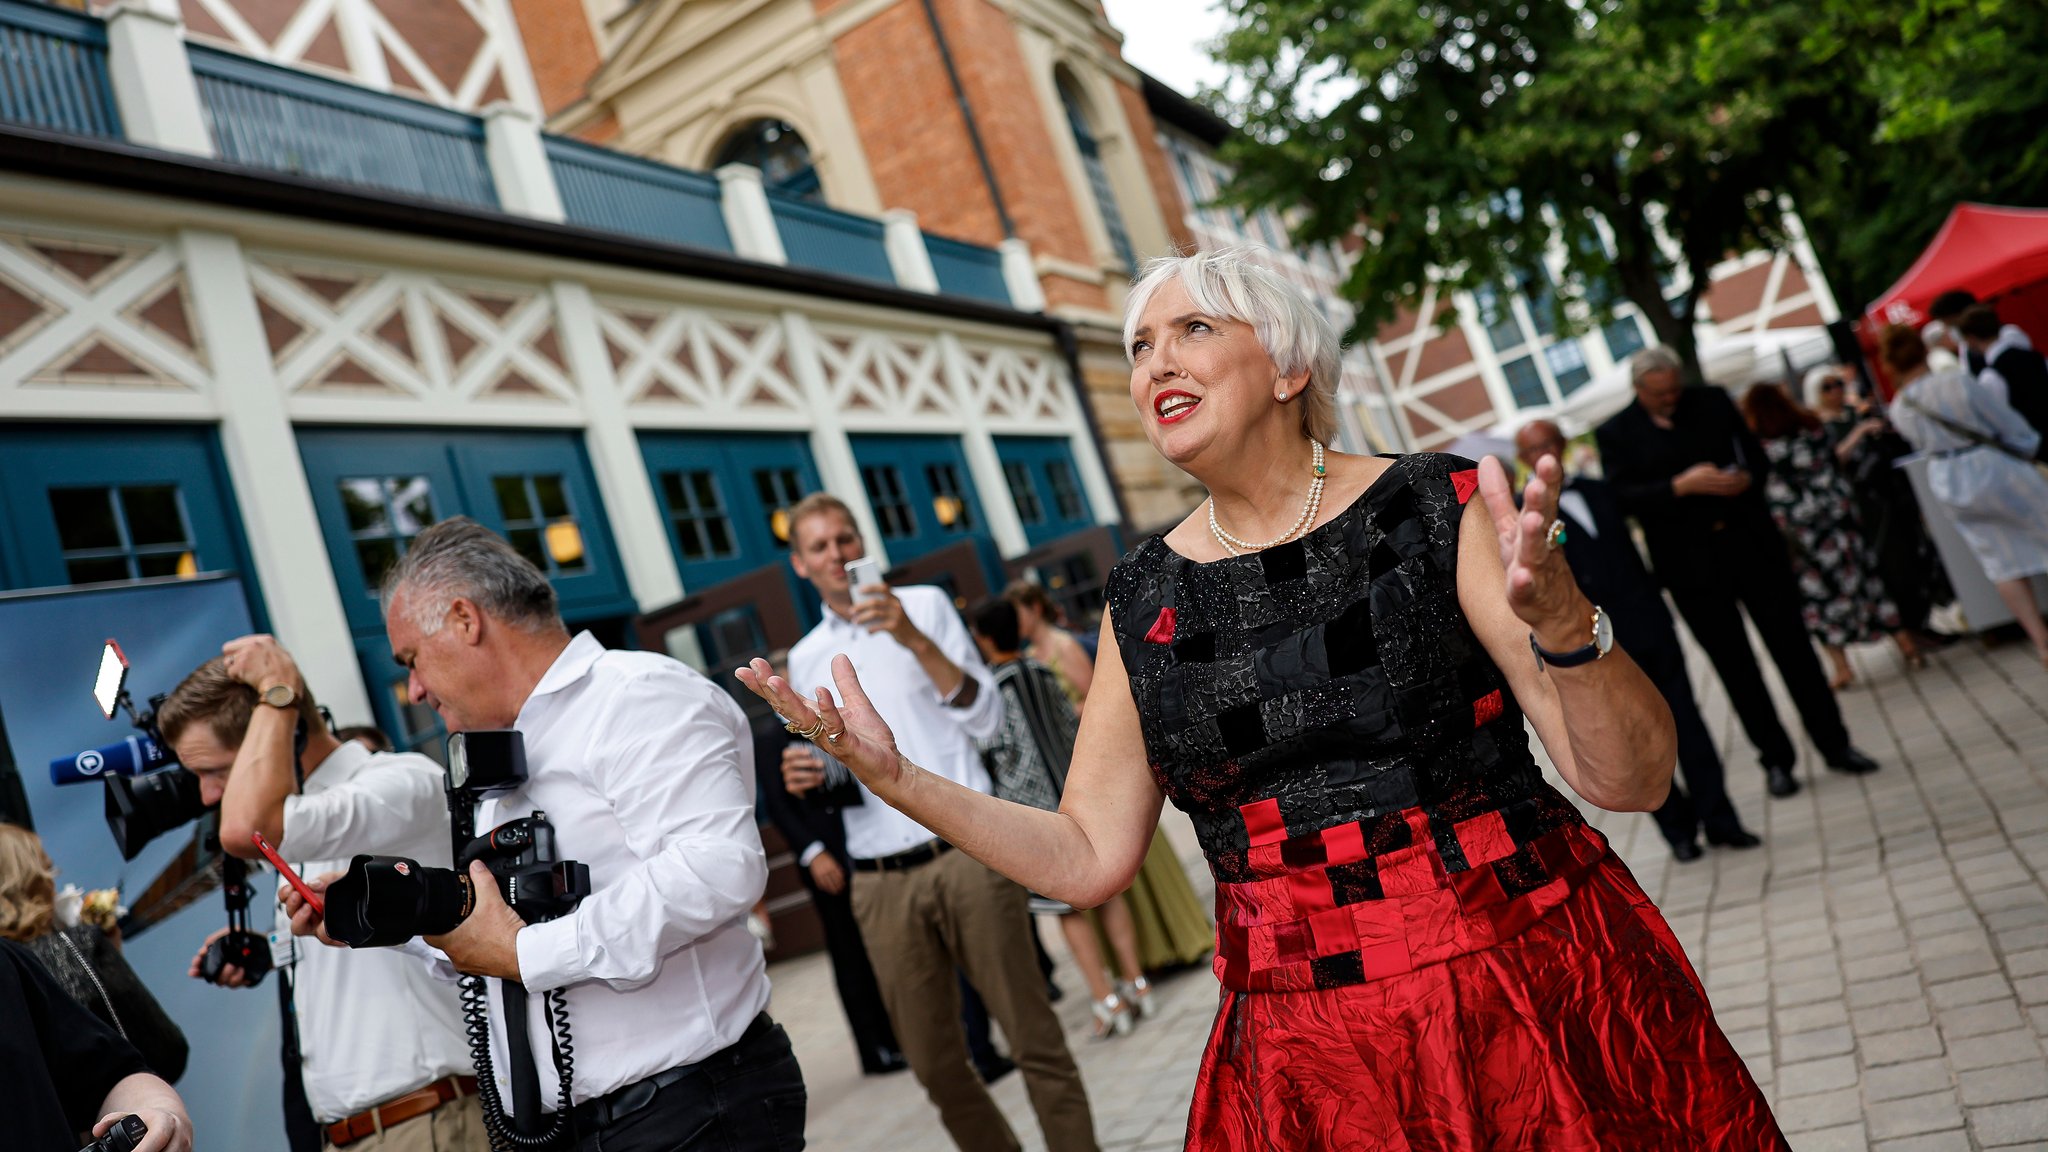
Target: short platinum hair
<point x="1656" y="359"/>
<point x="1938" y="333"/>
<point x="459" y="558"/>
<point x="1232" y="284"/>
<point x="1815" y="378"/>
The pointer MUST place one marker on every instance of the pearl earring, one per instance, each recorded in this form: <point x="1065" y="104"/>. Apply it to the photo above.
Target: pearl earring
<point x="1283" y="395"/>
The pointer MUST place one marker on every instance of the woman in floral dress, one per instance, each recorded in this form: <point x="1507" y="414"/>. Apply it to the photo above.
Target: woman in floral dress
<point x="1815" y="507"/>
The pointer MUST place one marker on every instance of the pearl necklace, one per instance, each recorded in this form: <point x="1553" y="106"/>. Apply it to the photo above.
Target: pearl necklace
<point x="1309" y="507"/>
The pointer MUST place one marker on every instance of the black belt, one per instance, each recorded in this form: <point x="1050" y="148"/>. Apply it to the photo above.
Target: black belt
<point x="903" y="861"/>
<point x="614" y="1106"/>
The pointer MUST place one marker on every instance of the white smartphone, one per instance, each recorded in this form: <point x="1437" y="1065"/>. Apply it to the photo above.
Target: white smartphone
<point x="860" y="574"/>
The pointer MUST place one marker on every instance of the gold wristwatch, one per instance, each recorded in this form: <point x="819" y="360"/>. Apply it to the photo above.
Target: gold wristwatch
<point x="280" y="696"/>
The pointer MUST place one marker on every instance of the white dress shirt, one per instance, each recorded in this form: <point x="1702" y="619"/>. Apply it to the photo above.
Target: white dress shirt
<point x="373" y="1024"/>
<point x="646" y="770"/>
<point x="1573" y="504"/>
<point x="932" y="735"/>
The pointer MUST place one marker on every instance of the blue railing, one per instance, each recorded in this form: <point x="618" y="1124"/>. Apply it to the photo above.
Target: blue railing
<point x="290" y="121"/>
<point x="619" y="193"/>
<point x="828" y="240"/>
<point x="967" y="269"/>
<point x="53" y="72"/>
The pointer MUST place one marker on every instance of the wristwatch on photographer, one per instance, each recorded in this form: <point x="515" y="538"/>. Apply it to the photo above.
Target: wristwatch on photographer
<point x="1602" y="642"/>
<point x="280" y="696"/>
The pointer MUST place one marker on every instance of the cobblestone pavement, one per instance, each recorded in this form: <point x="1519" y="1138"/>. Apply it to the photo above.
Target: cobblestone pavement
<point x="1882" y="963"/>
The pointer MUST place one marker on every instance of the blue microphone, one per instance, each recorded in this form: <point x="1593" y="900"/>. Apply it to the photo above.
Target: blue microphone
<point x="131" y="757"/>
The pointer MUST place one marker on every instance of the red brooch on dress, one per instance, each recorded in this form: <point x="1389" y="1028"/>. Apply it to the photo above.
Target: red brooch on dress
<point x="1465" y="483"/>
<point x="1162" y="628"/>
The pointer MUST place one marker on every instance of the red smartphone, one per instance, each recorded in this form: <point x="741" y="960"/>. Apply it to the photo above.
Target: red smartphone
<point x="285" y="870"/>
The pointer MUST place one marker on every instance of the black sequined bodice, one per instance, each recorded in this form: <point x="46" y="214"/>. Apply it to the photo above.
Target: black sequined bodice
<point x="1324" y="713"/>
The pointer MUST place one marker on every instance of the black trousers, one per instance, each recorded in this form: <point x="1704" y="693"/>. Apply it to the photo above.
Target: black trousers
<point x="748" y="1098"/>
<point x="1755" y="575"/>
<point x="1703" y="801"/>
<point x="853" y="974"/>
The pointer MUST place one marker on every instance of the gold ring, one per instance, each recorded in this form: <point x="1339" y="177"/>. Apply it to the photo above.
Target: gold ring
<point x="1555" y="536"/>
<point x="805" y="732"/>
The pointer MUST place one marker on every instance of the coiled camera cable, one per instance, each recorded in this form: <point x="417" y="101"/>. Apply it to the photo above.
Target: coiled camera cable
<point x="503" y="1132"/>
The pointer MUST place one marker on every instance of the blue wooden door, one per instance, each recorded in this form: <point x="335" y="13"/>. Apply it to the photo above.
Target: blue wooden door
<point x="920" y="491"/>
<point x="376" y="490"/>
<point x="87" y="504"/>
<point x="721" y="495"/>
<point x="1045" y="486"/>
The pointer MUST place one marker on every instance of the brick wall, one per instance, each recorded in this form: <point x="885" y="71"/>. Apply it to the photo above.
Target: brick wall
<point x="560" y="48"/>
<point x="1164" y="188"/>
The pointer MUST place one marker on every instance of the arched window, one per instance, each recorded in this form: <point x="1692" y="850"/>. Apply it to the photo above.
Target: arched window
<point x="779" y="151"/>
<point x="1098" y="175"/>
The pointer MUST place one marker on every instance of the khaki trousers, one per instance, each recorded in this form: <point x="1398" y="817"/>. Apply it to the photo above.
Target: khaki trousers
<point x="919" y="925"/>
<point x="457" y="1126"/>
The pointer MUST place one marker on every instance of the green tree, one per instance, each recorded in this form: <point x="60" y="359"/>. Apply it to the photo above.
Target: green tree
<point x="1466" y="133"/>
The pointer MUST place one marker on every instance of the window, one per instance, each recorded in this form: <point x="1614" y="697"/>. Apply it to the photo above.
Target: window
<point x="779" y="490"/>
<point x="1567" y="365"/>
<point x="950" y="504"/>
<point x="1525" y="382"/>
<point x="1624" y="337"/>
<point x="884" y="485"/>
<point x="1098" y="175"/>
<point x="419" y="727"/>
<point x="1541" y="296"/>
<point x="779" y="151"/>
<point x="126" y="533"/>
<point x="1023" y="492"/>
<point x="539" y="522"/>
<point x="1497" y="312"/>
<point x="696" y="510"/>
<point x="384" y="514"/>
<point x="1066" y="494"/>
<point x="733" y="636"/>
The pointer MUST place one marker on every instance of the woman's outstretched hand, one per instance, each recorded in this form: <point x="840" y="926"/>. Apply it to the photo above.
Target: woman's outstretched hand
<point x="863" y="740"/>
<point x="1540" y="586"/>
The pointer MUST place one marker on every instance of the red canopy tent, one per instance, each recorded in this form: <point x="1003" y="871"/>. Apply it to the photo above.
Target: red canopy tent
<point x="2000" y="254"/>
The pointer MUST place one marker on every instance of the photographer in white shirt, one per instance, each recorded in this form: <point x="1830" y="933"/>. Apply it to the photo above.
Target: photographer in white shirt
<point x="645" y="769"/>
<point x="380" y="1039"/>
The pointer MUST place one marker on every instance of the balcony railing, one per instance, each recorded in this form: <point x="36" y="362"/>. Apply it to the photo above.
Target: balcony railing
<point x="615" y="192"/>
<point x="53" y="72"/>
<point x="828" y="240"/>
<point x="967" y="269"/>
<point x="290" y="121"/>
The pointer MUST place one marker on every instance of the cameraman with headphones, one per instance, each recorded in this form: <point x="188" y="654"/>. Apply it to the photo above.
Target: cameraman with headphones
<point x="645" y="769"/>
<point x="381" y="1040"/>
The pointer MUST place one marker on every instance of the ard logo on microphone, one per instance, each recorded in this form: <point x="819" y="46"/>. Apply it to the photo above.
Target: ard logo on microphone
<point x="90" y="762"/>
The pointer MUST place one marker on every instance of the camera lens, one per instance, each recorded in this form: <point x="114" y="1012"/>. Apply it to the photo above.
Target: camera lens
<point x="142" y="808"/>
<point x="386" y="900"/>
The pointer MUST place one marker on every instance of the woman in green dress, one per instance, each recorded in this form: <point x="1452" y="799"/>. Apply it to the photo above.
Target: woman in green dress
<point x="1173" y="929"/>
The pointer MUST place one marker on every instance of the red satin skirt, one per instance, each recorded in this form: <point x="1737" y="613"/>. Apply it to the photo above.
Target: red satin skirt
<point x="1587" y="1030"/>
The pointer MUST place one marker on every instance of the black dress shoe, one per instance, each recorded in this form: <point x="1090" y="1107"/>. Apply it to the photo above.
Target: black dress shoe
<point x="885" y="1061"/>
<point x="1853" y="762"/>
<point x="996" y="1069"/>
<point x="1780" y="781"/>
<point x="1740" y="838"/>
<point x="1687" y="851"/>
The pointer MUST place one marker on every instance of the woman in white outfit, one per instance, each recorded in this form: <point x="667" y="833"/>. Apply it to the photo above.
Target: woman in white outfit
<point x="1980" y="467"/>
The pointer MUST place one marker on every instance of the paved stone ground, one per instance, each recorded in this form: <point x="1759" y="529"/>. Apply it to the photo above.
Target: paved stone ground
<point x="1882" y="963"/>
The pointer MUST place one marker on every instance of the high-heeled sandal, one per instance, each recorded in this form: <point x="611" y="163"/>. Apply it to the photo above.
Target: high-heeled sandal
<point x="1138" y="994"/>
<point x="1113" y="1017"/>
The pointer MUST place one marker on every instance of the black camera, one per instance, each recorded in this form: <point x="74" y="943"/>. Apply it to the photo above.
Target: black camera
<point x="245" y="950"/>
<point x="385" y="900"/>
<point x="126" y="1133"/>
<point x="141" y="808"/>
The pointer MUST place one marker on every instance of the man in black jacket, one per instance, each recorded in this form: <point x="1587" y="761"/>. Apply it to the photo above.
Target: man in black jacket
<point x="1604" y="559"/>
<point x="2010" y="365"/>
<point x="1684" y="464"/>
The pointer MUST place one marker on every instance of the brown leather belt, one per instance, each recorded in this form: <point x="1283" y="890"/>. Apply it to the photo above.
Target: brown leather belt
<point x="399" y="1109"/>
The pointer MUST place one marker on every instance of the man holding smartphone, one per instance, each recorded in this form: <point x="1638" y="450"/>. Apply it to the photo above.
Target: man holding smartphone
<point x="380" y="1040"/>
<point x="925" y="910"/>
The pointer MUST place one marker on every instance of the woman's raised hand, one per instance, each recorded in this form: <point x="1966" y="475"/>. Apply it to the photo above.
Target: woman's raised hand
<point x="855" y="734"/>
<point x="1540" y="586"/>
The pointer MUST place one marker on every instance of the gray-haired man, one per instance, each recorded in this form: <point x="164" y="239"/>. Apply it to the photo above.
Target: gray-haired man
<point x="645" y="769"/>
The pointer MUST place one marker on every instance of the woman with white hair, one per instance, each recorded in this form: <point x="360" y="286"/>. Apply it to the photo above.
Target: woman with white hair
<point x="1328" y="666"/>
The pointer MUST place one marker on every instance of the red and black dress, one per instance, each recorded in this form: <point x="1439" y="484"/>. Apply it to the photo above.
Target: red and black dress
<point x="1422" y="945"/>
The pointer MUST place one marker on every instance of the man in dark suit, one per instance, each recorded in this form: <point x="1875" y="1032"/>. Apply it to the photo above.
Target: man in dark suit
<point x="1688" y="469"/>
<point x="1604" y="559"/>
<point x="812" y="826"/>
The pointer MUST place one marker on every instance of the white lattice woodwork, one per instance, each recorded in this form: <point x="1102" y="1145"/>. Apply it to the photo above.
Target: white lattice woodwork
<point x="1017" y="389"/>
<point x="460" y="54"/>
<point x="103" y="315"/>
<point x="676" y="363"/>
<point x="398" y="344"/>
<point x="878" y="377"/>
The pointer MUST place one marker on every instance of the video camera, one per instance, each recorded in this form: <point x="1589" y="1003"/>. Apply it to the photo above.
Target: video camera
<point x="148" y="792"/>
<point x="386" y="900"/>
